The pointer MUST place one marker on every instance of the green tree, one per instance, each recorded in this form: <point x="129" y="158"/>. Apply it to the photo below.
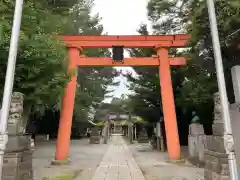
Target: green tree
<point x="116" y="106"/>
<point x="146" y="100"/>
<point x="192" y="18"/>
<point x="93" y="82"/>
<point x="194" y="84"/>
<point x="41" y="61"/>
<point x="40" y="71"/>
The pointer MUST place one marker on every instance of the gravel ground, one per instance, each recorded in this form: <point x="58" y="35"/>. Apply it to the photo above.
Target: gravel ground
<point x="84" y="158"/>
<point x="155" y="167"/>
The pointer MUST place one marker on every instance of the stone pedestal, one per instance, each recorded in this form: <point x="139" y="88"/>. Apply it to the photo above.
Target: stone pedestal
<point x="235" y="121"/>
<point x="17" y="160"/>
<point x="196" y="142"/>
<point x="216" y="159"/>
<point x="17" y="164"/>
<point x="94" y="136"/>
<point x="216" y="165"/>
<point x="142" y="137"/>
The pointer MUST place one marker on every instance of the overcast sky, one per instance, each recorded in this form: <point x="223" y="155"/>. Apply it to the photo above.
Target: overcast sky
<point x="121" y="17"/>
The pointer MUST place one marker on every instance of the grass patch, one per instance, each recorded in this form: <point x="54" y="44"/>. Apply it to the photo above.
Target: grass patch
<point x="63" y="177"/>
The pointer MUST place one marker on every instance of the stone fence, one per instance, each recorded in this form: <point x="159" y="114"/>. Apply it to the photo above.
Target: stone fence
<point x="210" y="149"/>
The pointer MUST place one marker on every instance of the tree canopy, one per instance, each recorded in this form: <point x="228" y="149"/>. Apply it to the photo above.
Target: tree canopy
<point x="40" y="71"/>
<point x="41" y="61"/>
<point x="195" y="83"/>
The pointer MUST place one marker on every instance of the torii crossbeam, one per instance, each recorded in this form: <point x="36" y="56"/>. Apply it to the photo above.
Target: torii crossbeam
<point x="161" y="44"/>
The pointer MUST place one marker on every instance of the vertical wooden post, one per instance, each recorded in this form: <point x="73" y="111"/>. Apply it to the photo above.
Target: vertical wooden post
<point x="168" y="105"/>
<point x="65" y="123"/>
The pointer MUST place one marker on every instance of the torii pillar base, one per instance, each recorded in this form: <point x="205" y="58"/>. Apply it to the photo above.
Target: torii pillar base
<point x="60" y="162"/>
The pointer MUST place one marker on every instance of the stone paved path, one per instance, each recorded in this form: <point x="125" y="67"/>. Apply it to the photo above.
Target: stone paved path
<point x="118" y="163"/>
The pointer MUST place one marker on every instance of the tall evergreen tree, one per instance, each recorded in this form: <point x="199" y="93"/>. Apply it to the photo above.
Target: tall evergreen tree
<point x="194" y="84"/>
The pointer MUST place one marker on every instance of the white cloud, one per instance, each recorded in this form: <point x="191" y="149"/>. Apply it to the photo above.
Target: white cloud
<point x="121" y="17"/>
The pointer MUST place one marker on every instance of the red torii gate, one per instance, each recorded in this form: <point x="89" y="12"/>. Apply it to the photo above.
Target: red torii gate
<point x="76" y="43"/>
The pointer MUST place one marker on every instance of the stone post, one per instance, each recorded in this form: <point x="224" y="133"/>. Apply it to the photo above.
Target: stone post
<point x="18" y="154"/>
<point x="160" y="144"/>
<point x="135" y="132"/>
<point x="158" y="135"/>
<point x="196" y="142"/>
<point x="109" y="129"/>
<point x="235" y="71"/>
<point x="130" y="132"/>
<point x="216" y="159"/>
<point x="114" y="129"/>
<point x="105" y="129"/>
<point x="235" y="112"/>
<point x="130" y="129"/>
<point x="235" y="121"/>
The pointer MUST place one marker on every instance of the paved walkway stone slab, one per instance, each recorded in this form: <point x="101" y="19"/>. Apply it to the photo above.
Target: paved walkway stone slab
<point x="118" y="163"/>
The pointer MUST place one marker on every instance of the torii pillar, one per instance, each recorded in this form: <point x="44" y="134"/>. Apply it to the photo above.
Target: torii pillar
<point x="65" y="122"/>
<point x="168" y="104"/>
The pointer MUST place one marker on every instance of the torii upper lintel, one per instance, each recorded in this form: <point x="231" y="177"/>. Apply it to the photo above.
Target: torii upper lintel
<point x="136" y="41"/>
